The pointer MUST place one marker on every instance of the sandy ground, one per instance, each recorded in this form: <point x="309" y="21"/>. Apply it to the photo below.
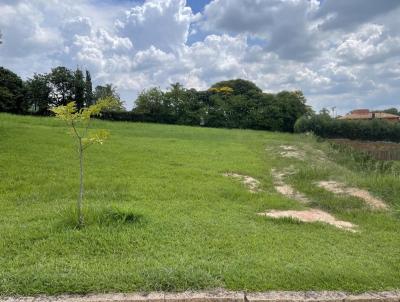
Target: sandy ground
<point x="340" y="188"/>
<point x="286" y="189"/>
<point x="251" y="183"/>
<point x="311" y="215"/>
<point x="291" y="152"/>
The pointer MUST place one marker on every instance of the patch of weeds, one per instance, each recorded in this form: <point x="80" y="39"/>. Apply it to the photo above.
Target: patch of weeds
<point x="120" y="216"/>
<point x="111" y="215"/>
<point x="337" y="205"/>
<point x="286" y="220"/>
<point x="362" y="161"/>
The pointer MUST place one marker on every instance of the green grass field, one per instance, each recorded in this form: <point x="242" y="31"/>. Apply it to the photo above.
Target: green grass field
<point x="161" y="216"/>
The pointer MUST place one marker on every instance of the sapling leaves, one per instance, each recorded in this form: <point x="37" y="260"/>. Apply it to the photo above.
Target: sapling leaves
<point x="79" y="123"/>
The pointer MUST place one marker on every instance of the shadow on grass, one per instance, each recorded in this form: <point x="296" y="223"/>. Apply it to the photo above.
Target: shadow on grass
<point x="100" y="216"/>
<point x="285" y="220"/>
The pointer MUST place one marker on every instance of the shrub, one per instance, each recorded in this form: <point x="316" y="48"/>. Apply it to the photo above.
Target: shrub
<point x="324" y="126"/>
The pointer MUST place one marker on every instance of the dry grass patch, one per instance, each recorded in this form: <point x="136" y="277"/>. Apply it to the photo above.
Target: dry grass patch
<point x="292" y="152"/>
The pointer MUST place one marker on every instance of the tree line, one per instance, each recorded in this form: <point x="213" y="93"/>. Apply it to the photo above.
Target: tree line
<point x="325" y="126"/>
<point x="42" y="92"/>
<point x="229" y="104"/>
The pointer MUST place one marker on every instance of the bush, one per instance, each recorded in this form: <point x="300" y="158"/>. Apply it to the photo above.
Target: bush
<point x="324" y="126"/>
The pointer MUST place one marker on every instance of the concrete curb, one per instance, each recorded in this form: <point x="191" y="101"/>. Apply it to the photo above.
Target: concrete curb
<point x="220" y="296"/>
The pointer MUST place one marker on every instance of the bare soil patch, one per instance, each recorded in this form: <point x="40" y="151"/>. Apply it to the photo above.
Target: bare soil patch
<point x="292" y="152"/>
<point x="251" y="183"/>
<point x="286" y="189"/>
<point x="312" y="215"/>
<point x="341" y="188"/>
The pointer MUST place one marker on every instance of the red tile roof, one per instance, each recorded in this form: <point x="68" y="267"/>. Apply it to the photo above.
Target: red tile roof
<point x="363" y="115"/>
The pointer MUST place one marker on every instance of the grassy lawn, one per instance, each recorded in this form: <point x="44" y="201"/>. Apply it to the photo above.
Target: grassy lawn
<point x="161" y="216"/>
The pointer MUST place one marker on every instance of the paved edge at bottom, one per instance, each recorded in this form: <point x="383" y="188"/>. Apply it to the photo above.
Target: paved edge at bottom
<point x="220" y="296"/>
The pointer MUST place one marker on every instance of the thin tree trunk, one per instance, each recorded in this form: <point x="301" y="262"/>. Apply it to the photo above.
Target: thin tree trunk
<point x="80" y="199"/>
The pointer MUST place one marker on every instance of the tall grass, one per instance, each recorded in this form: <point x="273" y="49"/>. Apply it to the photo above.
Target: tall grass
<point x="364" y="161"/>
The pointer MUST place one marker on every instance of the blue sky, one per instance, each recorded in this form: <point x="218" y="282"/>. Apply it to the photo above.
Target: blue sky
<point x="343" y="53"/>
<point x="197" y="5"/>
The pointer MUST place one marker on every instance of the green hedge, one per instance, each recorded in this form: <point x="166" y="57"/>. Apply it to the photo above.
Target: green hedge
<point x="373" y="130"/>
<point x="130" y="116"/>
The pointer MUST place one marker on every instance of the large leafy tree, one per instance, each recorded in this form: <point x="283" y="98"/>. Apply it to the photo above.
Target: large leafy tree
<point x="12" y="92"/>
<point x="78" y="88"/>
<point x="174" y="102"/>
<point x="109" y="91"/>
<point x="239" y="87"/>
<point x="38" y="93"/>
<point x="62" y="84"/>
<point x="292" y="106"/>
<point x="151" y="102"/>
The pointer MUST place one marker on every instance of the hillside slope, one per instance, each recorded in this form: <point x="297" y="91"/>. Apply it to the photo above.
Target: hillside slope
<point x="166" y="209"/>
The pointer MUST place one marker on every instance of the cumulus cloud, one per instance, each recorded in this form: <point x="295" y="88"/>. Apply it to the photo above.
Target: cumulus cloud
<point x="23" y="30"/>
<point x="345" y="14"/>
<point x="336" y="55"/>
<point x="285" y="25"/>
<point x="369" y="44"/>
<point x="160" y="23"/>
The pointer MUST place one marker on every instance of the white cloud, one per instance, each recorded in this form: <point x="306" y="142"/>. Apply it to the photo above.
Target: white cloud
<point x="285" y="25"/>
<point x="293" y="44"/>
<point x="23" y="30"/>
<point x="345" y="14"/>
<point x="160" y="23"/>
<point x="371" y="43"/>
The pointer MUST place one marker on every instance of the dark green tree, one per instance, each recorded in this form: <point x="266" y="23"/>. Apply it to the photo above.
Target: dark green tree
<point x="79" y="89"/>
<point x="62" y="85"/>
<point x="239" y="87"/>
<point x="292" y="106"/>
<point x="38" y="92"/>
<point x="12" y="92"/>
<point x="174" y="103"/>
<point x="394" y="111"/>
<point x="109" y="91"/>
<point x="89" y="99"/>
<point x="151" y="103"/>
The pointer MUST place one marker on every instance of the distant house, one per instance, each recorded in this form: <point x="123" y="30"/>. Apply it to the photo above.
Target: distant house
<point x="365" y="114"/>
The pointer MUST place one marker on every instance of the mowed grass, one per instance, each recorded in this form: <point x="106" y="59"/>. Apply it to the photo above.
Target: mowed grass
<point x="161" y="216"/>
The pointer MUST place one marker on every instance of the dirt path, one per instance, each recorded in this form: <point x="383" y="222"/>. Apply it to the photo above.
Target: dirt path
<point x="291" y="152"/>
<point x="341" y="188"/>
<point x="311" y="215"/>
<point x="251" y="183"/>
<point x="286" y="189"/>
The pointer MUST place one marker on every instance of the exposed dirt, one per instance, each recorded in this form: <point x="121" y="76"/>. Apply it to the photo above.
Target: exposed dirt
<point x="312" y="215"/>
<point x="340" y="188"/>
<point x="251" y="183"/>
<point x="286" y="189"/>
<point x="292" y="152"/>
